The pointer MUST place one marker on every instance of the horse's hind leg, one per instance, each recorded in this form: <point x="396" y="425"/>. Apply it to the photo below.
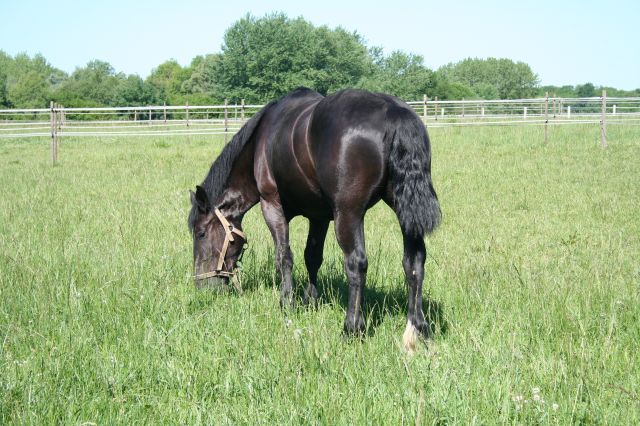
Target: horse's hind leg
<point x="350" y="235"/>
<point x="413" y="263"/>
<point x="313" y="256"/>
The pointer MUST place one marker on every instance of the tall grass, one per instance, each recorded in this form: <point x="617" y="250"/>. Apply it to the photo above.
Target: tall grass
<point x="533" y="283"/>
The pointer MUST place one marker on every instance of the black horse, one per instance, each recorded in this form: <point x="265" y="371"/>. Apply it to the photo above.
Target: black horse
<point x="326" y="158"/>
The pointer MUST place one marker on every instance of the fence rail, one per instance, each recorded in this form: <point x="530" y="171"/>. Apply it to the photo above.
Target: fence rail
<point x="225" y="119"/>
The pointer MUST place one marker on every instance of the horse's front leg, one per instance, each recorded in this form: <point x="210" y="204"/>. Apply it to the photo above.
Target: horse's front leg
<point x="279" y="227"/>
<point x="350" y="236"/>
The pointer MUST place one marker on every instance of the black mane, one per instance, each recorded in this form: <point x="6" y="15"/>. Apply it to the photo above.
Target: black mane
<point x="220" y="170"/>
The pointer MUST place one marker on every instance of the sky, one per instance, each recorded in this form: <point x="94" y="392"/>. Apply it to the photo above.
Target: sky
<point x="564" y="42"/>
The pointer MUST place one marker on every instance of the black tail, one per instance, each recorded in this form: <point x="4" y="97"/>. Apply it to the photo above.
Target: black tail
<point x="413" y="196"/>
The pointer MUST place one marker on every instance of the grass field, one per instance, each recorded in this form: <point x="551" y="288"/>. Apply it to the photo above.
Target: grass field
<point x="533" y="281"/>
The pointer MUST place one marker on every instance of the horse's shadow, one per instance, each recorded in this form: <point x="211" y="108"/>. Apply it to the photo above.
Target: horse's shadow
<point x="333" y="289"/>
<point x="380" y="303"/>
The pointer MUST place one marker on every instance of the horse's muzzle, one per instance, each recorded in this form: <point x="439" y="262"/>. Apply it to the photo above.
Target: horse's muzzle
<point x="212" y="283"/>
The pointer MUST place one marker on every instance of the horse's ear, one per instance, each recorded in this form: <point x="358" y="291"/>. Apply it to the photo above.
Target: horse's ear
<point x="200" y="199"/>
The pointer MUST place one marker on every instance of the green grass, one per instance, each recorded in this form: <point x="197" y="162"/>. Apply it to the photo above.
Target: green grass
<point x="533" y="280"/>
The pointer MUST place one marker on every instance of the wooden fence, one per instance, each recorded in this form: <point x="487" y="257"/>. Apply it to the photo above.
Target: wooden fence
<point x="164" y="120"/>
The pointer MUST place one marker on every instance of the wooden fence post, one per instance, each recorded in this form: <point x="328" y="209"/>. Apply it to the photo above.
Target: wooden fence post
<point x="226" y="119"/>
<point x="150" y="121"/>
<point x="568" y="111"/>
<point x="54" y="148"/>
<point x="546" y="117"/>
<point x="435" y="109"/>
<point x="164" y="110"/>
<point x="186" y="109"/>
<point x="462" y="107"/>
<point x="424" y="109"/>
<point x="603" y="122"/>
<point x="242" y="110"/>
<point x="525" y="113"/>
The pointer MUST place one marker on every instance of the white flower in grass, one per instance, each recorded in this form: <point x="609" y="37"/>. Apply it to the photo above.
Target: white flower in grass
<point x="555" y="406"/>
<point x="297" y="333"/>
<point x="535" y="391"/>
<point x="536" y="397"/>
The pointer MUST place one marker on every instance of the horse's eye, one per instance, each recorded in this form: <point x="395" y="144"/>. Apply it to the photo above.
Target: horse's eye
<point x="201" y="235"/>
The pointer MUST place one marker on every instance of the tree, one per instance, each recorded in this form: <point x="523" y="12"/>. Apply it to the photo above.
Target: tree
<point x="401" y="74"/>
<point x="167" y="79"/>
<point x="4" y="65"/>
<point x="265" y="58"/>
<point x="493" y="78"/>
<point x="96" y="84"/>
<point x="203" y="81"/>
<point x="132" y="91"/>
<point x="29" y="91"/>
<point x="27" y="82"/>
<point x="586" y="90"/>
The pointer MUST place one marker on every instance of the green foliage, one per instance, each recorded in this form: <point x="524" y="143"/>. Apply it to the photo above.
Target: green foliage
<point x="29" y="91"/>
<point x="27" y="82"/>
<point x="402" y="74"/>
<point x="494" y="78"/>
<point x="264" y="58"/>
<point x="585" y="90"/>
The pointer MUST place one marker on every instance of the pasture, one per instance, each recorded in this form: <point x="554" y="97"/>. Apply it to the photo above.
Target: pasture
<point x="533" y="284"/>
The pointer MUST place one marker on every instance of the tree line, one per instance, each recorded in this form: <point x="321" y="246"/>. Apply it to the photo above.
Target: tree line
<point x="263" y="58"/>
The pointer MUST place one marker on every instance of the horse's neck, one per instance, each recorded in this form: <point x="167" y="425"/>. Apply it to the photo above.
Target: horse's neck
<point x="241" y="190"/>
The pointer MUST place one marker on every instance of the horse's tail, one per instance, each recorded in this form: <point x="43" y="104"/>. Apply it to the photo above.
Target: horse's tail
<point x="413" y="197"/>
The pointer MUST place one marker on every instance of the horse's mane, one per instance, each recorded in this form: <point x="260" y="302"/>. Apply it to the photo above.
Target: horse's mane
<point x="220" y="170"/>
<point x="216" y="180"/>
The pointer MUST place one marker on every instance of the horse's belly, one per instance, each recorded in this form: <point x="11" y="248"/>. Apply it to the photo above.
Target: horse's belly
<point x="301" y="196"/>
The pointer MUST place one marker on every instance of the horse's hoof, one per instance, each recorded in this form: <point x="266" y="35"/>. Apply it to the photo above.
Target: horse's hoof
<point x="413" y="333"/>
<point x="287" y="303"/>
<point x="354" y="327"/>
<point x="310" y="296"/>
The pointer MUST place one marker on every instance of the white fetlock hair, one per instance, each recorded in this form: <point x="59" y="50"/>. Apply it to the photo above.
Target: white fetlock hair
<point x="410" y="338"/>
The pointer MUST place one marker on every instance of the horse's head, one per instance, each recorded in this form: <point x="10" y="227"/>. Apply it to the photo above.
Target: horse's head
<point x="217" y="243"/>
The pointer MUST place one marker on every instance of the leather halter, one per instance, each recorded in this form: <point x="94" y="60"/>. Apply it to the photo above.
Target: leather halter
<point x="229" y="230"/>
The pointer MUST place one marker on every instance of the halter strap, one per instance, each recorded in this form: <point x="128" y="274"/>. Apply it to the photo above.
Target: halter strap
<point x="229" y="230"/>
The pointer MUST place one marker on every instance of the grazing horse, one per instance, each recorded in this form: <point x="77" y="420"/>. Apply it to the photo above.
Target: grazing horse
<point x="325" y="158"/>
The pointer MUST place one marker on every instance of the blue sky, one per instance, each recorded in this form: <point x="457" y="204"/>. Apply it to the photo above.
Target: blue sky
<point x="568" y="42"/>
